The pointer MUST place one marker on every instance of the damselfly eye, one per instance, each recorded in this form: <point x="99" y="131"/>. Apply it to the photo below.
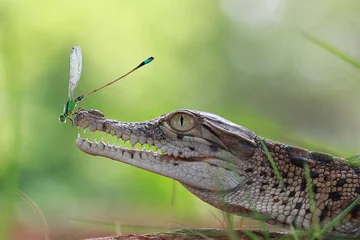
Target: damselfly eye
<point x="62" y="118"/>
<point x="182" y="122"/>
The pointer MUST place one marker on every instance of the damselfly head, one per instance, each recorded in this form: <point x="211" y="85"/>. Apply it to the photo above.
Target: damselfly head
<point x="62" y="118"/>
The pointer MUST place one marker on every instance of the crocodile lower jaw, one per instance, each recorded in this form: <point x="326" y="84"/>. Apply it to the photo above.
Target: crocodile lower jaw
<point x="112" y="151"/>
<point x="200" y="173"/>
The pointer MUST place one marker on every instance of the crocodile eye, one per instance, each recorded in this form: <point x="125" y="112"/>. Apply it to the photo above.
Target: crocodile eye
<point x="182" y="122"/>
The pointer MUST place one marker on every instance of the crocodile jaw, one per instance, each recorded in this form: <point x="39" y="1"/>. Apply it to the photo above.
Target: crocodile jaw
<point x="205" y="172"/>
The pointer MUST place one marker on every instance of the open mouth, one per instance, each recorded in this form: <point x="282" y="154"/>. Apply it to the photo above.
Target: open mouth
<point x="145" y="145"/>
<point x="117" y="139"/>
<point x="120" y="146"/>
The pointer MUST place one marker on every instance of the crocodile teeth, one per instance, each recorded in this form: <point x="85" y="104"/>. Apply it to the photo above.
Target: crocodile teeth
<point x="125" y="137"/>
<point x="92" y="127"/>
<point x="112" y="132"/>
<point x="134" y="142"/>
<point x="142" y="140"/>
<point x="136" y="155"/>
<point x="149" y="141"/>
<point x="101" y="145"/>
<point x="79" y="140"/>
<point x="175" y="153"/>
<point x="133" y="139"/>
<point x="169" y="151"/>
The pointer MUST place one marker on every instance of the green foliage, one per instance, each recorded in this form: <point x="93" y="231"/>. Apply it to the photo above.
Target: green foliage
<point x="207" y="58"/>
<point x="331" y="49"/>
<point x="354" y="160"/>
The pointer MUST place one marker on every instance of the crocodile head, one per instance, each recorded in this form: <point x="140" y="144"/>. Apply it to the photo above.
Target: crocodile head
<point x="198" y="149"/>
<point x="225" y="165"/>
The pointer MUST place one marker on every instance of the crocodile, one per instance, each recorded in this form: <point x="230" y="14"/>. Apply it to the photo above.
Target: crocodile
<point x="228" y="166"/>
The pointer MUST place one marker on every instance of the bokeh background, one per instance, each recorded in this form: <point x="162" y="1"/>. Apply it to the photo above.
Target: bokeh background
<point x="243" y="60"/>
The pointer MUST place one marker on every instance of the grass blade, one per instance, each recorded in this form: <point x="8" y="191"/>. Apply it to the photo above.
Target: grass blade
<point x="338" y="218"/>
<point x="309" y="188"/>
<point x="337" y="52"/>
<point x="273" y="165"/>
<point x="37" y="209"/>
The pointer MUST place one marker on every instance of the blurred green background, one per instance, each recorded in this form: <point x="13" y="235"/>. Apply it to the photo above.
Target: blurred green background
<point x="243" y="60"/>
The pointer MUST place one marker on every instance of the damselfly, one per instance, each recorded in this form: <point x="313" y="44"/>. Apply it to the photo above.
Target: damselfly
<point x="75" y="73"/>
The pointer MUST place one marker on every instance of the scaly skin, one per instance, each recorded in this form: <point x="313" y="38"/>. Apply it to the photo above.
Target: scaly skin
<point x="225" y="165"/>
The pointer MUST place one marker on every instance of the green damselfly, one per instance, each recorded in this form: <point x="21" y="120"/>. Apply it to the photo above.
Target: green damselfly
<point x="75" y="73"/>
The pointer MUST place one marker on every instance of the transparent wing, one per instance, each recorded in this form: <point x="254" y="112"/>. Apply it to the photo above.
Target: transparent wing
<point x="75" y="69"/>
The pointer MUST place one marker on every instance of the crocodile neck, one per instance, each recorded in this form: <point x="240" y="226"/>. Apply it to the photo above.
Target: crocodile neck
<point x="225" y="165"/>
